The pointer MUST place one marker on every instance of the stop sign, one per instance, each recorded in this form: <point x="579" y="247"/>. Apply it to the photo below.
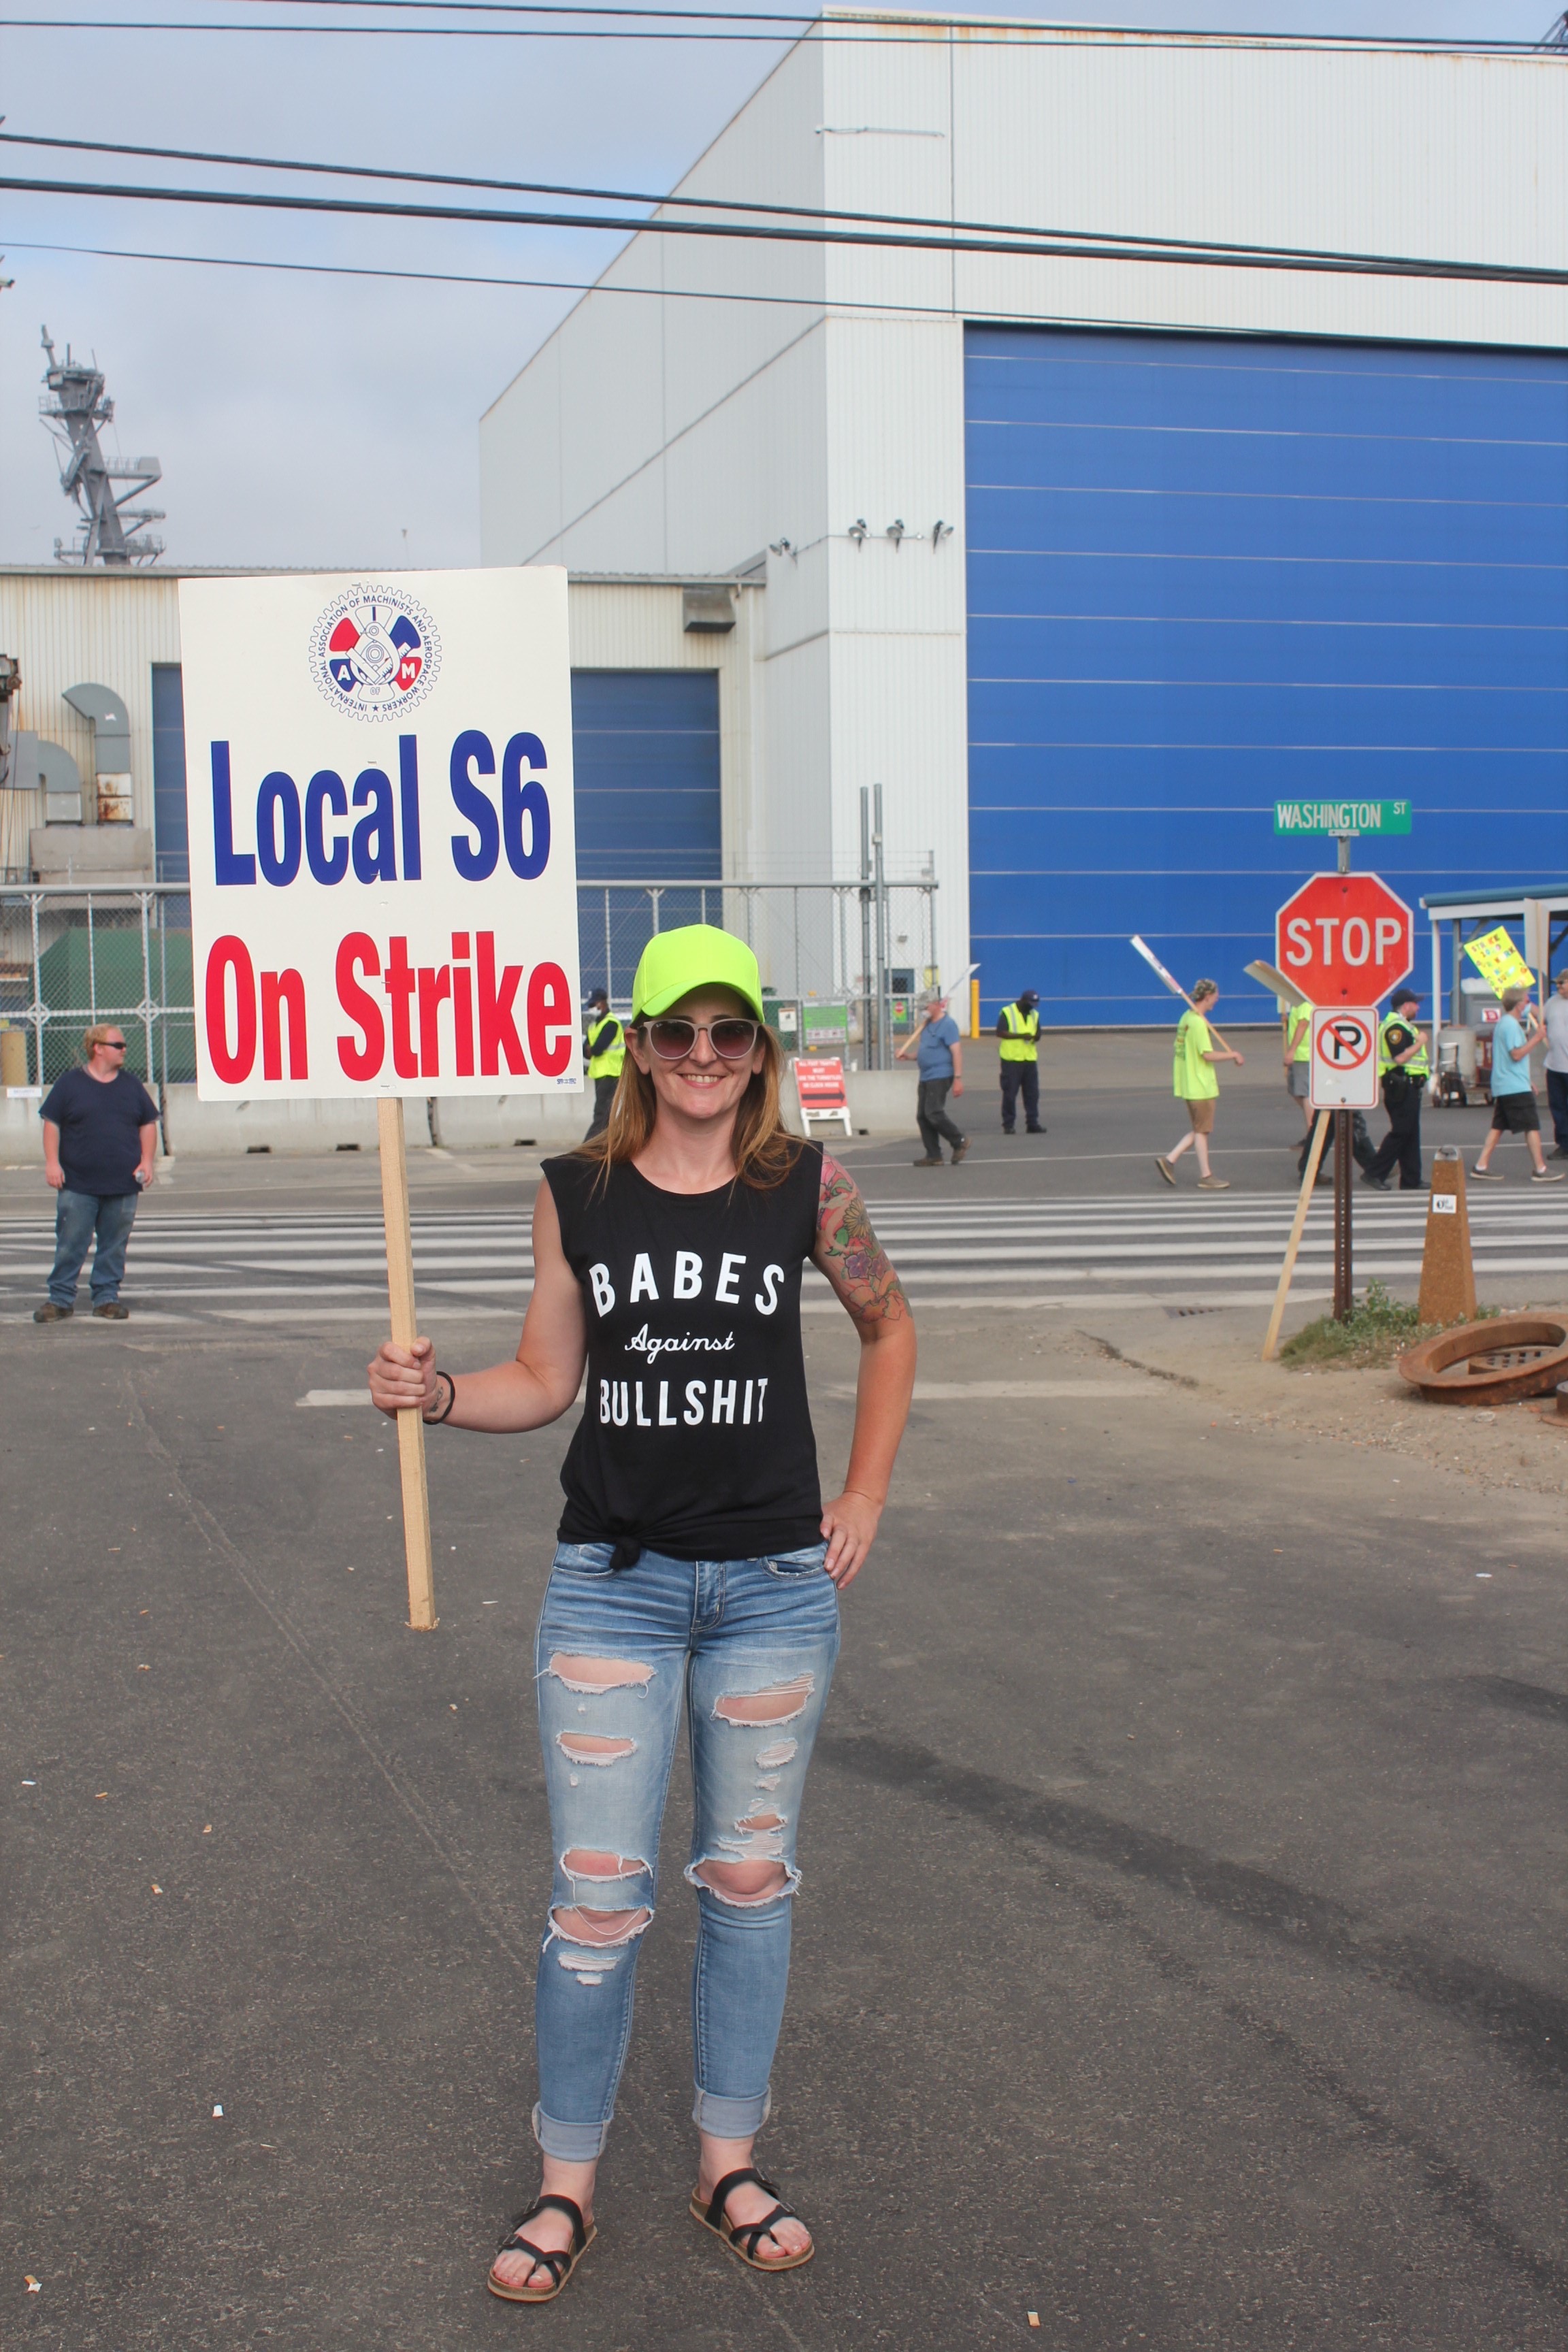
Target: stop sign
<point x="1345" y="939"/>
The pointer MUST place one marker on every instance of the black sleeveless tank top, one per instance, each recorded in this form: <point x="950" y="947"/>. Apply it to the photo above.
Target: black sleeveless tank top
<point x="696" y="1436"/>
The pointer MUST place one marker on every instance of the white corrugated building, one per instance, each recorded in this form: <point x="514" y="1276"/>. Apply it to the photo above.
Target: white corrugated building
<point x="1220" y="534"/>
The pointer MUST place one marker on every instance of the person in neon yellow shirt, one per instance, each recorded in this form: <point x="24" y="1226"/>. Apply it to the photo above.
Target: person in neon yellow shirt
<point x="1195" y="1082"/>
<point x="1297" y="1031"/>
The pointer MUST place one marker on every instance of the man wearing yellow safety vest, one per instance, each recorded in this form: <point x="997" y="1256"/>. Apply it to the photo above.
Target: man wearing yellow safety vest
<point x="1405" y="1068"/>
<point x="1019" y="1030"/>
<point x="1298" y="1035"/>
<point x="606" y="1052"/>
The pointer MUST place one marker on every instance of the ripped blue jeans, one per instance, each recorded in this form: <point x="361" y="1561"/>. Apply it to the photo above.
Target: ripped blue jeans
<point x="747" y="1647"/>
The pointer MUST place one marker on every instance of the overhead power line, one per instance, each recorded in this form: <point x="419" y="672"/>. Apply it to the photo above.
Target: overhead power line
<point x="927" y="20"/>
<point x="1023" y="247"/>
<point x="545" y="285"/>
<point x="827" y="31"/>
<point x="1165" y="245"/>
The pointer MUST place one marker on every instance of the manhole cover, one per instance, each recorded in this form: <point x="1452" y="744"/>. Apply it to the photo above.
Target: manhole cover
<point x="1490" y="1363"/>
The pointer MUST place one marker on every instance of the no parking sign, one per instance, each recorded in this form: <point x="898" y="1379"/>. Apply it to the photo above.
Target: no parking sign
<point x="1344" y="1074"/>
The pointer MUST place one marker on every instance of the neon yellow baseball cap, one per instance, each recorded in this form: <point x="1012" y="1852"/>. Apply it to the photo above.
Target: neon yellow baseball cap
<point x="696" y="956"/>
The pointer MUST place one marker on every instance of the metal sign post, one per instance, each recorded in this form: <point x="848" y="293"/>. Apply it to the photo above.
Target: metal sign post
<point x="1343" y="1079"/>
<point x="1345" y="1292"/>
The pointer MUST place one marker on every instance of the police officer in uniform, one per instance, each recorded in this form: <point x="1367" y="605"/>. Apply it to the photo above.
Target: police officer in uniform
<point x="1019" y="1030"/>
<point x="1405" y="1068"/>
<point x="606" y="1052"/>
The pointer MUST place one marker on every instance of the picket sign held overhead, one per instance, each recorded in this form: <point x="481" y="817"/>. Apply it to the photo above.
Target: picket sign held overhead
<point x="384" y="885"/>
<point x="384" y="888"/>
<point x="1342" y="1062"/>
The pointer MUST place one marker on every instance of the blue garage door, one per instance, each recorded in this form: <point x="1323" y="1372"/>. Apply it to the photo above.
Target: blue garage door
<point x="1205" y="575"/>
<point x="644" y="750"/>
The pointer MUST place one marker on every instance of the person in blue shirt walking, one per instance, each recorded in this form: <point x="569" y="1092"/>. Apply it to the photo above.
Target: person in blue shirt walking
<point x="1514" y="1111"/>
<point x="939" y="1057"/>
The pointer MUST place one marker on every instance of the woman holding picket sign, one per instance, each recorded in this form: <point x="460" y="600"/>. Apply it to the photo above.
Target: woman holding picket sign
<point x="696" y="1571"/>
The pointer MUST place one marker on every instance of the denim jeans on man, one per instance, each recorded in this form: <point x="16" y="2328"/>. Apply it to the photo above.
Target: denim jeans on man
<point x="931" y="1118"/>
<point x="745" y="1649"/>
<point x="78" y="1217"/>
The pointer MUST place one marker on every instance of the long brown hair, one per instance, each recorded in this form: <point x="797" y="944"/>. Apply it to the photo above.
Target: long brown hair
<point x="764" y="1147"/>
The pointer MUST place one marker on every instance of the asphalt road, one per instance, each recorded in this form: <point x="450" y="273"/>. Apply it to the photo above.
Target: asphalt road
<point x="1182" y="1949"/>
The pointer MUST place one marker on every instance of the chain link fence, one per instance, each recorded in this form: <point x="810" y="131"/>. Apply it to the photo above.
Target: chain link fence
<point x="71" y="957"/>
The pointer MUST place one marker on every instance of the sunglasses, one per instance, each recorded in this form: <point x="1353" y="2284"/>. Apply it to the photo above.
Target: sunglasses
<point x="115" y="1044"/>
<point x="732" y="1039"/>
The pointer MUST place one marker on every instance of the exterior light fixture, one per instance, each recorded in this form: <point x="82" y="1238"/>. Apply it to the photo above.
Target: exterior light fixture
<point x="896" y="533"/>
<point x="780" y="547"/>
<point x="857" y="531"/>
<point x="939" y="531"/>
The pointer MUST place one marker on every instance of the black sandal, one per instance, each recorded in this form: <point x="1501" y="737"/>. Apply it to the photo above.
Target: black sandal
<point x="743" y="2240"/>
<point x="560" y="2266"/>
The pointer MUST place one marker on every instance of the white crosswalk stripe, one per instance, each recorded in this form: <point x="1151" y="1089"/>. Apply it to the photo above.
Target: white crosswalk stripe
<point x="332" y="1268"/>
<point x="1200" y="1242"/>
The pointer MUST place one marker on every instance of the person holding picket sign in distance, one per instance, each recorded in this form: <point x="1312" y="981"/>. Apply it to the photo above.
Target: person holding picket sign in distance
<point x="1195" y="1082"/>
<point x="697" y="1573"/>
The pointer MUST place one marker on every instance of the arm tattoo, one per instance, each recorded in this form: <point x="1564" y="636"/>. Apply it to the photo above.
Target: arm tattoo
<point x="849" y="1253"/>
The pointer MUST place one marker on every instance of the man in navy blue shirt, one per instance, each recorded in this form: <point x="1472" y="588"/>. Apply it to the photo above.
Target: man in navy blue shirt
<point x="939" y="1057"/>
<point x="100" y="1130"/>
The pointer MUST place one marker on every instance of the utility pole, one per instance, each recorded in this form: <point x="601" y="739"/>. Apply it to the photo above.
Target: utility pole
<point x="1344" y="1277"/>
<point x="884" y="1055"/>
<point x="867" y="1046"/>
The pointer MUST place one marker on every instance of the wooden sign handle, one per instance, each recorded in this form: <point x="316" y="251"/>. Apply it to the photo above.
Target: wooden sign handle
<point x="406" y="1330"/>
<point x="1320" y="1134"/>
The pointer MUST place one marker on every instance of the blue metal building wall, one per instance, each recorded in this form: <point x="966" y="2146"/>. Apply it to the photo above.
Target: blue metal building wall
<point x="1205" y="575"/>
<point x="644" y="750"/>
<point x="171" y="829"/>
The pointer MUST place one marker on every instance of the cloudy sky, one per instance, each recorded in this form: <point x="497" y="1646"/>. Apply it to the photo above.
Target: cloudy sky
<point x="333" y="420"/>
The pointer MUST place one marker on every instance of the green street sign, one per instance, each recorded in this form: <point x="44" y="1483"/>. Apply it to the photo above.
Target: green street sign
<point x="1336" y="817"/>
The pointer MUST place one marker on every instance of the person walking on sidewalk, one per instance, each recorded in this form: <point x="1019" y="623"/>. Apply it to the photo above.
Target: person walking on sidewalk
<point x="1405" y="1066"/>
<point x="1296" y="1037"/>
<point x="101" y="1131"/>
<point x="1514" y="1111"/>
<point x="697" y="1573"/>
<point x="939" y="1060"/>
<point x="1555" y="1017"/>
<point x="1196" y="1083"/>
<point x="1019" y="1055"/>
<point x="606" y="1058"/>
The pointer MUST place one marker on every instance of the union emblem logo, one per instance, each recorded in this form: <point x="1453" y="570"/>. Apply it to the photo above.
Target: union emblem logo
<point x="374" y="652"/>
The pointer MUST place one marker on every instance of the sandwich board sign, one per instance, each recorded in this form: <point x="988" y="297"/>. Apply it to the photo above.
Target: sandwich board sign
<point x="384" y="888"/>
<point x="1344" y="1057"/>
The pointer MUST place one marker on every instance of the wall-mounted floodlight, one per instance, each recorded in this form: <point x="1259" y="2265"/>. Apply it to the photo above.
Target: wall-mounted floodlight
<point x="780" y="547"/>
<point x="939" y="531"/>
<point x="857" y="531"/>
<point x="896" y="533"/>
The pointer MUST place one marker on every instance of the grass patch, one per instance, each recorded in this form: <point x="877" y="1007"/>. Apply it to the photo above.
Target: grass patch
<point x="1379" y="1329"/>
